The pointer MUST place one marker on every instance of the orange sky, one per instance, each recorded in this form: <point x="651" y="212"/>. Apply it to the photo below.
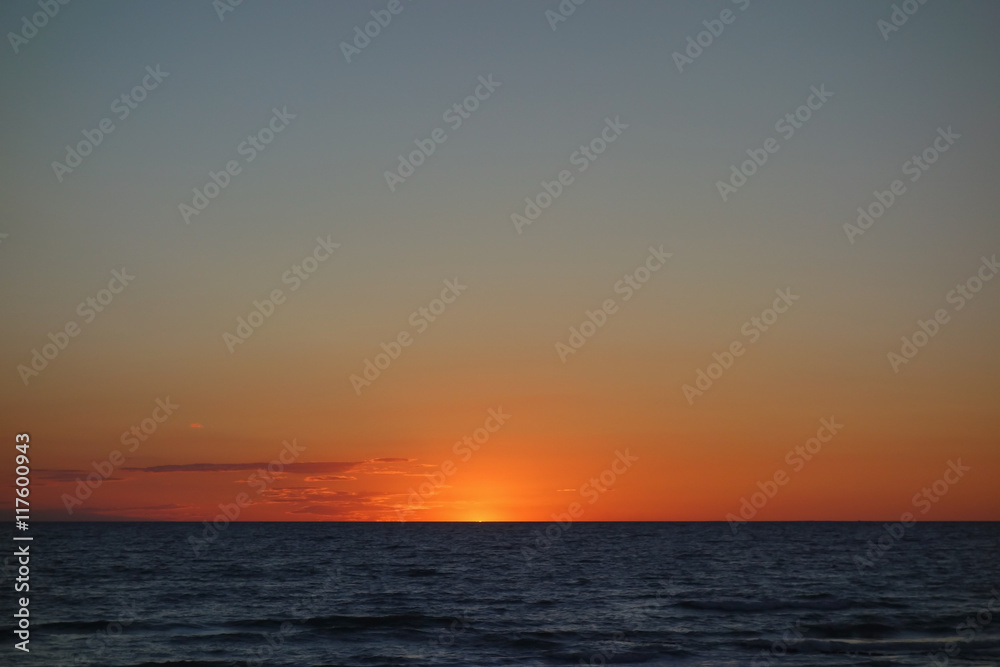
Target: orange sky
<point x="598" y="327"/>
<point x="691" y="462"/>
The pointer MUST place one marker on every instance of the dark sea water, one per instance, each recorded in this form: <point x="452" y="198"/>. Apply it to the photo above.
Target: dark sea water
<point x="469" y="594"/>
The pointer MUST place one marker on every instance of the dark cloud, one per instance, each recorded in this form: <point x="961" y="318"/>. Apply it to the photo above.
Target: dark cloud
<point x="57" y="475"/>
<point x="312" y="468"/>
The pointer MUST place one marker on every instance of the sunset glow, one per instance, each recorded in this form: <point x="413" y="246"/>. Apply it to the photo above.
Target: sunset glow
<point x="599" y="255"/>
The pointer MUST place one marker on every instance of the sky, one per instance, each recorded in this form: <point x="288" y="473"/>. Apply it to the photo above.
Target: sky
<point x="496" y="265"/>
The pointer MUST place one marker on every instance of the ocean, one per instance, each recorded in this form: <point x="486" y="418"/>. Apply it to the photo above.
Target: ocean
<point x="479" y="594"/>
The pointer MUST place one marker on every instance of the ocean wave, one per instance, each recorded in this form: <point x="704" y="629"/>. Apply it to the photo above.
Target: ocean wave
<point x="398" y="621"/>
<point x="766" y="605"/>
<point x="877" y="647"/>
<point x="851" y="630"/>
